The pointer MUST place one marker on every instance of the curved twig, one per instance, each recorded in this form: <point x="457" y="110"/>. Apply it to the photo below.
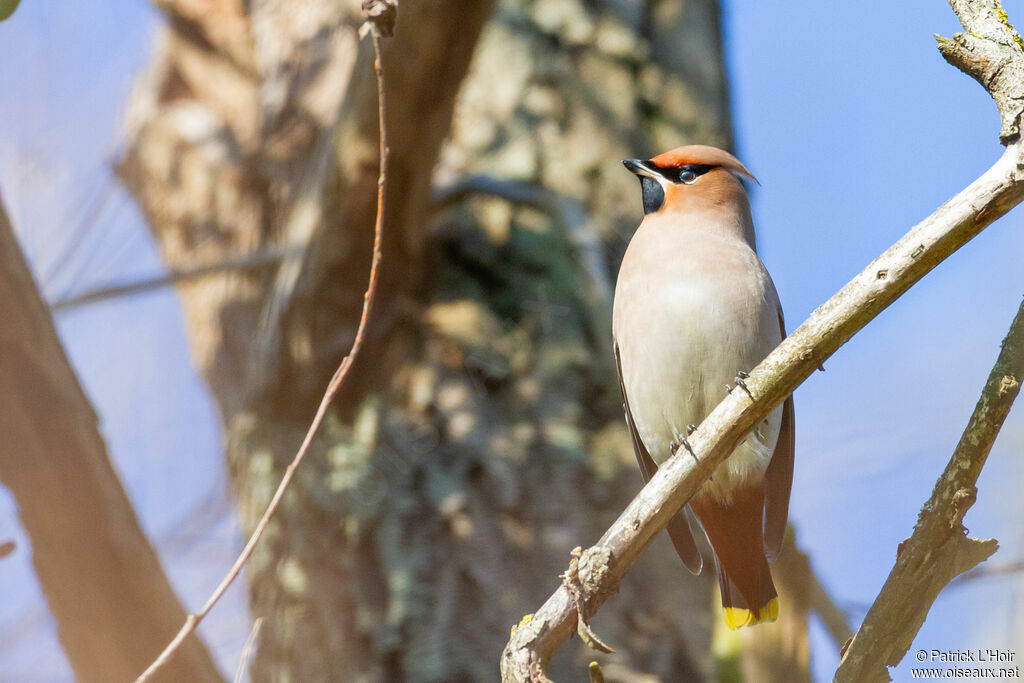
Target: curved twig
<point x="250" y="642"/>
<point x="193" y="620"/>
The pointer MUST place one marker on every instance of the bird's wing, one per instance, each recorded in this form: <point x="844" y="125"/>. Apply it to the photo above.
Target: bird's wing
<point x="678" y="526"/>
<point x="779" y="478"/>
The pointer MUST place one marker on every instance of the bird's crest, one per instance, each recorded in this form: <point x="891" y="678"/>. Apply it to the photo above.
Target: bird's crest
<point x="701" y="155"/>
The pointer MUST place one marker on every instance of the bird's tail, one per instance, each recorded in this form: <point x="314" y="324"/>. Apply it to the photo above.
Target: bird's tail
<point x="735" y="531"/>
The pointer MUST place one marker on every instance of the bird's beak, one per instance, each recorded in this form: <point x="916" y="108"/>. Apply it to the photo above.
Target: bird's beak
<point x="641" y="168"/>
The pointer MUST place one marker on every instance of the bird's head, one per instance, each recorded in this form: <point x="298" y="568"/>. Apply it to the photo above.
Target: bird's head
<point x="689" y="176"/>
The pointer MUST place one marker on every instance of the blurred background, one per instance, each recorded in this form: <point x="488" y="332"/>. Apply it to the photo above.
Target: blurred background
<point x="193" y="190"/>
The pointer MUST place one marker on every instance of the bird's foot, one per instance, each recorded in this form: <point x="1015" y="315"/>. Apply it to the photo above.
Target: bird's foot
<point x="740" y="376"/>
<point x="689" y="449"/>
<point x="690" y="429"/>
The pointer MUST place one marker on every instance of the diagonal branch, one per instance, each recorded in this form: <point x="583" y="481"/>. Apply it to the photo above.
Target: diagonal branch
<point x="796" y="577"/>
<point x="939" y="550"/>
<point x="925" y="246"/>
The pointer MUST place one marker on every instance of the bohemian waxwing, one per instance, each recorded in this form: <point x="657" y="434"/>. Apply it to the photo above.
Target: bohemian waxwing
<point x="694" y="308"/>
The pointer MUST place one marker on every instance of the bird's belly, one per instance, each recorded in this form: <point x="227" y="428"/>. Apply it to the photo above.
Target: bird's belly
<point x="677" y="374"/>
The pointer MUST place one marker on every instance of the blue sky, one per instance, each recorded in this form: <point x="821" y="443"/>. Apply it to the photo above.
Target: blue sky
<point x="856" y="128"/>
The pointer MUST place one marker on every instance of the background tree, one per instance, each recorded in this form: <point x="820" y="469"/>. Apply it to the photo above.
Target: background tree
<point x="102" y="579"/>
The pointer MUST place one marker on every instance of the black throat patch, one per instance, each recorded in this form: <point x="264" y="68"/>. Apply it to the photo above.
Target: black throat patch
<point x="654" y="195"/>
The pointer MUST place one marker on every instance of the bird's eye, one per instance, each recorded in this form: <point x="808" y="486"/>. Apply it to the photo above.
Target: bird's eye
<point x="687" y="177"/>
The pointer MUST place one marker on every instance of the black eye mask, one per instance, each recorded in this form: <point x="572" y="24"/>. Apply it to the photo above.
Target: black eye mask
<point x="687" y="175"/>
<point x="654" y="195"/>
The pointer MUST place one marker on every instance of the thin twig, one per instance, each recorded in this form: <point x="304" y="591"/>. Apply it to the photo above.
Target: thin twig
<point x="832" y="615"/>
<point x="989" y="571"/>
<point x="794" y="575"/>
<point x="249" y="642"/>
<point x="939" y="549"/>
<point x="193" y="620"/>
<point x="258" y="259"/>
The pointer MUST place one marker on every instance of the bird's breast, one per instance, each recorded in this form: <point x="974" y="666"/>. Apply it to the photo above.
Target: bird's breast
<point x="685" y="324"/>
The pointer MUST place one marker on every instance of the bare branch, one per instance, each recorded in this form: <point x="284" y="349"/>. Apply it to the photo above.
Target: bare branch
<point x="925" y="246"/>
<point x="249" y="642"/>
<point x="990" y="570"/>
<point x="332" y="388"/>
<point x="834" y="617"/>
<point x="794" y="575"/>
<point x="939" y="549"/>
<point x="262" y="258"/>
<point x="992" y="53"/>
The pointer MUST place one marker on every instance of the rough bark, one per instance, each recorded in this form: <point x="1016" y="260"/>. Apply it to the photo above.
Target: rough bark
<point x="113" y="606"/>
<point x="482" y="437"/>
<point x="990" y="52"/>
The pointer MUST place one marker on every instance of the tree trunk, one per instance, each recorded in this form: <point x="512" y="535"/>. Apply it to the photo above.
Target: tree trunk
<point x="102" y="579"/>
<point x="481" y="435"/>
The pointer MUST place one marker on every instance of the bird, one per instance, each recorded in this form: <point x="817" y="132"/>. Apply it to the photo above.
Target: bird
<point x="693" y="308"/>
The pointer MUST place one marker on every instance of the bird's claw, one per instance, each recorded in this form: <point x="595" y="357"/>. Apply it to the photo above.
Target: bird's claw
<point x="740" y="376"/>
<point x="689" y="449"/>
<point x="690" y="429"/>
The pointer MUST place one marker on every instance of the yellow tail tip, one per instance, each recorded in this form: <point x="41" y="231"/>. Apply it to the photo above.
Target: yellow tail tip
<point x="738" y="617"/>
